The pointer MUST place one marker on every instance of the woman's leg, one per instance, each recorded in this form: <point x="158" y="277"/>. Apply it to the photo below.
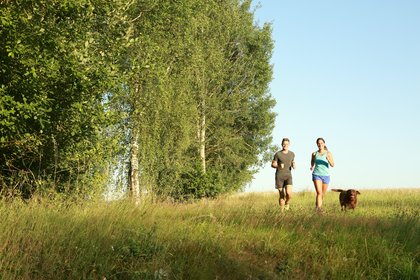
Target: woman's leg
<point x="319" y="193"/>
<point x="324" y="189"/>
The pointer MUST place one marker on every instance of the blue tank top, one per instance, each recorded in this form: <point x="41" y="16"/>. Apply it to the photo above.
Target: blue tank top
<point x="322" y="167"/>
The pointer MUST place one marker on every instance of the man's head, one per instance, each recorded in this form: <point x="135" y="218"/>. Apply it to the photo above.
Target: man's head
<point x="285" y="143"/>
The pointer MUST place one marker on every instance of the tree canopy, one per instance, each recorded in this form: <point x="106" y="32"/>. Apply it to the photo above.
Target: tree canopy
<point x="165" y="97"/>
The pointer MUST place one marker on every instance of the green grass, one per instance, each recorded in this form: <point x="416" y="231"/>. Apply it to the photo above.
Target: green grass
<point x="234" y="237"/>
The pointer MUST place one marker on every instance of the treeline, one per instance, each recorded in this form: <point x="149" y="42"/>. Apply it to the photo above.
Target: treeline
<point x="160" y="96"/>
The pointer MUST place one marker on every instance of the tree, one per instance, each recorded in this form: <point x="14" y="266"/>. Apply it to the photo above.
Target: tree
<point x="54" y="72"/>
<point x="231" y="73"/>
<point x="197" y="78"/>
<point x="174" y="92"/>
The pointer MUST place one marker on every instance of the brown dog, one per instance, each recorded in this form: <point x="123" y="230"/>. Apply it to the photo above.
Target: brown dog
<point x="348" y="198"/>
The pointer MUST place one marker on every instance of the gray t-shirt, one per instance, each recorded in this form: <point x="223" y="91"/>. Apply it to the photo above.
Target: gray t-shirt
<point x="284" y="162"/>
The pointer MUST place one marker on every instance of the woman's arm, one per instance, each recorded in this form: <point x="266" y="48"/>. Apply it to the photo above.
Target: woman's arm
<point x="312" y="161"/>
<point x="330" y="159"/>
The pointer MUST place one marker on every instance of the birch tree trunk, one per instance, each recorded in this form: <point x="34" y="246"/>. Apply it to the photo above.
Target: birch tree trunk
<point x="134" y="170"/>
<point x="134" y="186"/>
<point x="202" y="136"/>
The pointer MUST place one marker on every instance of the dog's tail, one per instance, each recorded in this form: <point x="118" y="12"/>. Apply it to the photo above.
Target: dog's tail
<point x="338" y="190"/>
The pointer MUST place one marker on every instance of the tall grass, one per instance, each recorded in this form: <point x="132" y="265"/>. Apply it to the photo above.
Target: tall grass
<point x="234" y="237"/>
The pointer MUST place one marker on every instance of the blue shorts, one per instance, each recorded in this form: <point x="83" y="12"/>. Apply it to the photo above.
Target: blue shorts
<point x="324" y="179"/>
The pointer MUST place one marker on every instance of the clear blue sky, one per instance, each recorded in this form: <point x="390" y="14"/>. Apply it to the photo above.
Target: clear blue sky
<point x="347" y="71"/>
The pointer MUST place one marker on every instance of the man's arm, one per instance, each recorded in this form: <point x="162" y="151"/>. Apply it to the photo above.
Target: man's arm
<point x="274" y="163"/>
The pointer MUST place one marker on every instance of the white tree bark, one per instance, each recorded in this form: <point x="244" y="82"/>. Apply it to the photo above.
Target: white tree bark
<point x="134" y="170"/>
<point x="202" y="139"/>
<point x="134" y="187"/>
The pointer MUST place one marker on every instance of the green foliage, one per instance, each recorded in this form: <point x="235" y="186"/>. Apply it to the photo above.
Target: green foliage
<point x="198" y="184"/>
<point x="82" y="82"/>
<point x="53" y="77"/>
<point x="205" y="59"/>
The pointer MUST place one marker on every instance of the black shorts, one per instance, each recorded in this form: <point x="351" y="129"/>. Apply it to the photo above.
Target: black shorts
<point x="283" y="180"/>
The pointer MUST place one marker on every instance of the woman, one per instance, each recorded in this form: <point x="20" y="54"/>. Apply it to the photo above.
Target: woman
<point x="283" y="162"/>
<point x="320" y="164"/>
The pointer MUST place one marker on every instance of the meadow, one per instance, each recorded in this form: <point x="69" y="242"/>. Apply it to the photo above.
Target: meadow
<point x="242" y="236"/>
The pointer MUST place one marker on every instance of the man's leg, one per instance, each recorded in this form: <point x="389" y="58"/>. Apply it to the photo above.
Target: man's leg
<point x="281" y="198"/>
<point x="288" y="196"/>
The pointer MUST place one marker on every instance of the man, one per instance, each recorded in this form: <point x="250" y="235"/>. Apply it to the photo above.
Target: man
<point x="284" y="161"/>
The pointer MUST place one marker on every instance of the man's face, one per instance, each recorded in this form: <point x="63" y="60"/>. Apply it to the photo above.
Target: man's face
<point x="285" y="145"/>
